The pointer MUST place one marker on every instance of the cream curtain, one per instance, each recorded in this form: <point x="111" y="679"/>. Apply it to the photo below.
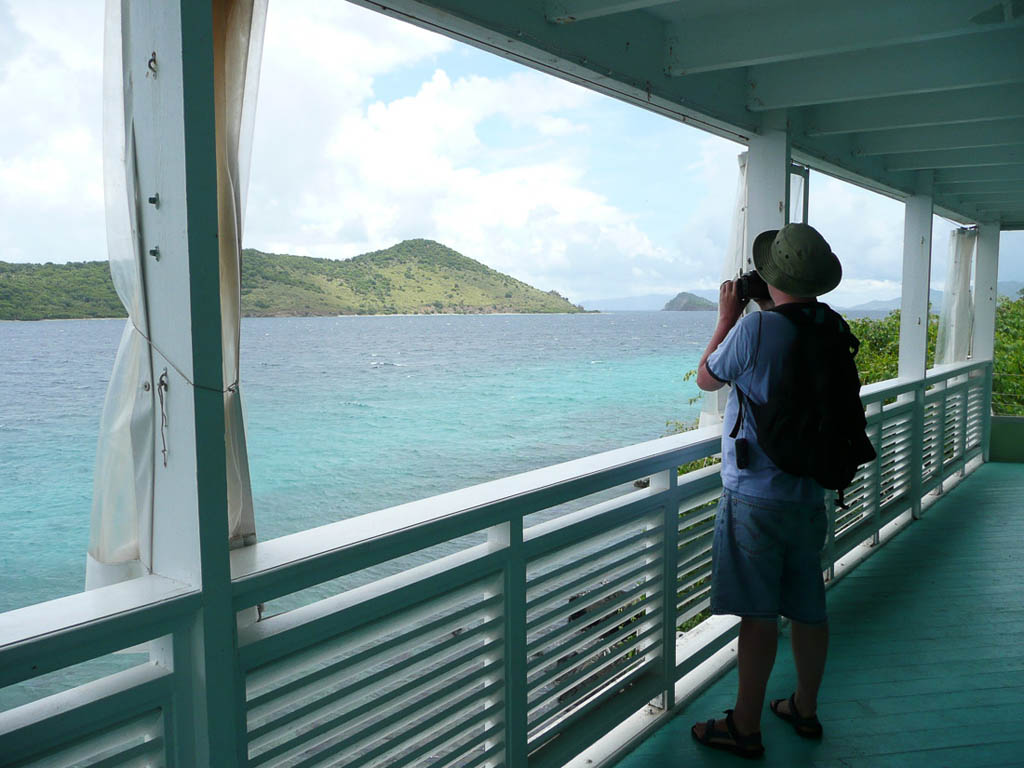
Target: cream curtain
<point x="238" y="27"/>
<point x="122" y="510"/>
<point x="957" y="315"/>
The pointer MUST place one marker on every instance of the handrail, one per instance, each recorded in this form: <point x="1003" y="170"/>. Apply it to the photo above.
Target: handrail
<point x="893" y="387"/>
<point x="400" y="529"/>
<point x="55" y="634"/>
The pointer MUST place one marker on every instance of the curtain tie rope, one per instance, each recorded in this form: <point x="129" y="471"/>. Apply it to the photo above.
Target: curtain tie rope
<point x="232" y="387"/>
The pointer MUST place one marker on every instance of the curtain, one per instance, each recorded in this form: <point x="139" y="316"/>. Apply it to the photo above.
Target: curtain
<point x="797" y="193"/>
<point x="956" y="317"/>
<point x="120" y="535"/>
<point x="238" y="27"/>
<point x="123" y="482"/>
<point x="734" y="262"/>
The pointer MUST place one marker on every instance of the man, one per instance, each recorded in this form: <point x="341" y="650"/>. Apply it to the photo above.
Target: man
<point x="771" y="525"/>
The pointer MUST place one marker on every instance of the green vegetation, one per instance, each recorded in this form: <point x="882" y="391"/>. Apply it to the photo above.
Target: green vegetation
<point x="878" y="358"/>
<point x="688" y="302"/>
<point x="879" y="354"/>
<point x="412" y="277"/>
<point x="57" y="291"/>
<point x="1008" y="363"/>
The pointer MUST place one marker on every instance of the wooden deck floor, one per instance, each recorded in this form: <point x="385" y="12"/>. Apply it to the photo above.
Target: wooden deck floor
<point x="926" y="666"/>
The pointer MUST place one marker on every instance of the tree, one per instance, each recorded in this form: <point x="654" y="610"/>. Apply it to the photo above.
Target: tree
<point x="1008" y="362"/>
<point x="878" y="358"/>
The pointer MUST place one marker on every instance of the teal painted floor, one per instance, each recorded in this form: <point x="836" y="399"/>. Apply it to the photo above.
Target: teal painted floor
<point x="926" y="664"/>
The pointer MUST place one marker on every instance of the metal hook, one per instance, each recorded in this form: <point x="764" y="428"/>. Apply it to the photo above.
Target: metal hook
<point x="151" y="64"/>
<point x="161" y="388"/>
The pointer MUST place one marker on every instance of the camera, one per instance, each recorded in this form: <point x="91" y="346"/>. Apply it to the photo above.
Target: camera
<point x="751" y="285"/>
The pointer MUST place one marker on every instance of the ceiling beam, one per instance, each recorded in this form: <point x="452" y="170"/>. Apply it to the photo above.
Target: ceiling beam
<point x="568" y="11"/>
<point x="977" y="187"/>
<point x="774" y="34"/>
<point x="974" y="177"/>
<point x="990" y="205"/>
<point x="922" y="109"/>
<point x="1014" y="212"/>
<point x="992" y="133"/>
<point x="955" y="158"/>
<point x="962" y="62"/>
<point x="915" y="110"/>
<point x="991" y="192"/>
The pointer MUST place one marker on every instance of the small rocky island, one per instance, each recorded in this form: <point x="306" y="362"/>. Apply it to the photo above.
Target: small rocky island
<point x="687" y="302"/>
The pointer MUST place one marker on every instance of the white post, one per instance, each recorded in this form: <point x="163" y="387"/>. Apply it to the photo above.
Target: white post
<point x="986" y="277"/>
<point x="169" y="65"/>
<point x="917" y="258"/>
<point x="985" y="289"/>
<point x="768" y="162"/>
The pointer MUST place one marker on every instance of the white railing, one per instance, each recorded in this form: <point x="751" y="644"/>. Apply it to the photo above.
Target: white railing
<point x="553" y="612"/>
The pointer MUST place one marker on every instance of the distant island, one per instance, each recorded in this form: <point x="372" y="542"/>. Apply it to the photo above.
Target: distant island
<point x="688" y="302"/>
<point x="412" y="277"/>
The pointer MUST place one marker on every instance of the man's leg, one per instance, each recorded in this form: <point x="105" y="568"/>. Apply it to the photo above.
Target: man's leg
<point x="759" y="639"/>
<point x="810" y="647"/>
<point x="755" y="657"/>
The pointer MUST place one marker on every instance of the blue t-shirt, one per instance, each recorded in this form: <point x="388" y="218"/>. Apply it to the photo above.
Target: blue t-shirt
<point x="751" y="357"/>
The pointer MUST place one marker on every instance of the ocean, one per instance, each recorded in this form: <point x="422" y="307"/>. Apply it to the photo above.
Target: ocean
<point x="344" y="415"/>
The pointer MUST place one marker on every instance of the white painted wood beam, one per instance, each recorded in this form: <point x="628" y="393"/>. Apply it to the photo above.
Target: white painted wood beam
<point x="986" y="280"/>
<point x="767" y="35"/>
<point x="975" y="177"/>
<point x="940" y="137"/>
<point x="991" y="192"/>
<point x="917" y="259"/>
<point x="768" y="164"/>
<point x="1006" y="203"/>
<point x="964" y="62"/>
<point x="994" y="213"/>
<point x="955" y="158"/>
<point x="568" y="11"/>
<point x="921" y="109"/>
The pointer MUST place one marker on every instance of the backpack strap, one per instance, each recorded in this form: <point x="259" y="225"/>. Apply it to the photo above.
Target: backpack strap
<point x="739" y="392"/>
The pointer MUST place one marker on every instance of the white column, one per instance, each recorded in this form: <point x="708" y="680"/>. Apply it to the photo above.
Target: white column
<point x="768" y="162"/>
<point x="169" y="55"/>
<point x="917" y="258"/>
<point x="985" y="290"/>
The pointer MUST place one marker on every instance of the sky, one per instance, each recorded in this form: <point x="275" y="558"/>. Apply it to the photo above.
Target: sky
<point x="370" y="131"/>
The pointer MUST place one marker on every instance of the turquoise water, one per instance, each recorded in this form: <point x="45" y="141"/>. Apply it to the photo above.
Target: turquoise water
<point x="345" y="415"/>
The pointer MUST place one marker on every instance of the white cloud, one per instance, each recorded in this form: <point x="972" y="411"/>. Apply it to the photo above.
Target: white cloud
<point x="51" y="186"/>
<point x="497" y="162"/>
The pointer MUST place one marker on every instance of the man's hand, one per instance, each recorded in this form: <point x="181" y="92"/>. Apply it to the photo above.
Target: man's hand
<point x="729" y="310"/>
<point x="730" y="306"/>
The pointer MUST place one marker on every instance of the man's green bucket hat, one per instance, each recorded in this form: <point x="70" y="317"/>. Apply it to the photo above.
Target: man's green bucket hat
<point x="797" y="260"/>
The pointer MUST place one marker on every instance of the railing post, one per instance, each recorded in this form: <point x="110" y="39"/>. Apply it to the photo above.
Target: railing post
<point x="876" y="487"/>
<point x="940" y="387"/>
<point x="668" y="482"/>
<point x="510" y="535"/>
<point x="917" y="452"/>
<point x="986" y="413"/>
<point x="962" y="425"/>
<point x="830" y="541"/>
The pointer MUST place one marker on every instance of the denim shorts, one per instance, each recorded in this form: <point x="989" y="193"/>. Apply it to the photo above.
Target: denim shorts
<point x="766" y="559"/>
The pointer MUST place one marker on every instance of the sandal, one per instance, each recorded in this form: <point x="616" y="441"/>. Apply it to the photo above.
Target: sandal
<point x="807" y="727"/>
<point x="729" y="740"/>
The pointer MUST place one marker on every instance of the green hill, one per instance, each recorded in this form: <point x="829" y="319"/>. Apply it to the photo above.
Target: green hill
<point x="687" y="302"/>
<point x="56" y="291"/>
<point x="412" y="277"/>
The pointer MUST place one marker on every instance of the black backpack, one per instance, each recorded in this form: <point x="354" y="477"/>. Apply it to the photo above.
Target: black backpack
<point x="814" y="426"/>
